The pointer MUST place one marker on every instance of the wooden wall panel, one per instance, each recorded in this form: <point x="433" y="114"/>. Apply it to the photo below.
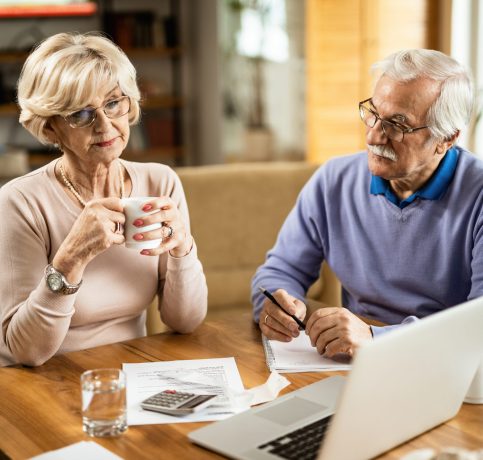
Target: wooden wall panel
<point x="344" y="38"/>
<point x="333" y="66"/>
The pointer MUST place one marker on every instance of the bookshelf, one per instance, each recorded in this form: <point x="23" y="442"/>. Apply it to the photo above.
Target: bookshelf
<point x="147" y="31"/>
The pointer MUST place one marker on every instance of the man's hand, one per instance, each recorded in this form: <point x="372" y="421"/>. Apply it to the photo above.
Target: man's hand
<point x="278" y="325"/>
<point x="336" y="330"/>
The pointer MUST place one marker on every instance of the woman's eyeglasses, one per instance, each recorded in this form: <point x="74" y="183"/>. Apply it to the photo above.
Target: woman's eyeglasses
<point x="115" y="108"/>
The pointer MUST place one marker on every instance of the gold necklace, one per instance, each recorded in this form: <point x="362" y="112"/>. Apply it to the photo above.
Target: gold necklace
<point x="71" y="187"/>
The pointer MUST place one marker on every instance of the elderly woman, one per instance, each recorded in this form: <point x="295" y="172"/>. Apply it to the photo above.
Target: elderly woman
<point x="67" y="282"/>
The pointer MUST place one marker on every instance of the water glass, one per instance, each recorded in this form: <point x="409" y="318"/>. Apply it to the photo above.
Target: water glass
<point x="104" y="402"/>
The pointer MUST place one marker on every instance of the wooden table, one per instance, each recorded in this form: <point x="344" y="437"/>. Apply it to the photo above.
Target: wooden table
<point x="40" y="407"/>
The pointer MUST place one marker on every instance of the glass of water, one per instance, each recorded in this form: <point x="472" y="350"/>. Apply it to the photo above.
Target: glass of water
<point x="104" y="402"/>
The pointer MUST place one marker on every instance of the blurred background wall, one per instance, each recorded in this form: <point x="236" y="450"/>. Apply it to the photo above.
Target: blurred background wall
<point x="241" y="80"/>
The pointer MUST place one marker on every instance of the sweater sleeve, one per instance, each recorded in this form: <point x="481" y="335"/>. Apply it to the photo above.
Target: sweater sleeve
<point x="380" y="330"/>
<point x="294" y="262"/>
<point x="183" y="291"/>
<point x="34" y="320"/>
<point x="477" y="258"/>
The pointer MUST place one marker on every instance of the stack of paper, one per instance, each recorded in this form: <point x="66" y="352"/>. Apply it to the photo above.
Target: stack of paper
<point x="298" y="355"/>
<point x="79" y="451"/>
<point x="218" y="376"/>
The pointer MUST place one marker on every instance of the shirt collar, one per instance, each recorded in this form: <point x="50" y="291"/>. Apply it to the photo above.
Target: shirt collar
<point x="433" y="190"/>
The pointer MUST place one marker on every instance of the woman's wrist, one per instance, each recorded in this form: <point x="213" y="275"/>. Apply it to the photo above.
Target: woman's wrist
<point x="71" y="267"/>
<point x="182" y="251"/>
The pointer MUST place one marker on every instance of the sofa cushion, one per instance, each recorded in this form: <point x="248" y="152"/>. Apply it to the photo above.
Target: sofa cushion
<point x="236" y="211"/>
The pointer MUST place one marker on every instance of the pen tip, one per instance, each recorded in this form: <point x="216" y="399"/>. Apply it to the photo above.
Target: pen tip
<point x="261" y="288"/>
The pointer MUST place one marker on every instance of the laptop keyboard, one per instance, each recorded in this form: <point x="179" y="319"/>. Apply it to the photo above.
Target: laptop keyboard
<point x="302" y="443"/>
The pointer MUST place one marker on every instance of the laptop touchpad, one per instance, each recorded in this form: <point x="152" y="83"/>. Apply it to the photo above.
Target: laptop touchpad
<point x="291" y="411"/>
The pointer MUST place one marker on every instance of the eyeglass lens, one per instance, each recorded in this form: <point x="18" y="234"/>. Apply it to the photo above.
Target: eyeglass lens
<point x="113" y="109"/>
<point x="370" y="118"/>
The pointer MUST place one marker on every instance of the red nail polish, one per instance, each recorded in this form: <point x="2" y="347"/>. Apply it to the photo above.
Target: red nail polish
<point x="138" y="236"/>
<point x="138" y="223"/>
<point x="147" y="207"/>
<point x="145" y="252"/>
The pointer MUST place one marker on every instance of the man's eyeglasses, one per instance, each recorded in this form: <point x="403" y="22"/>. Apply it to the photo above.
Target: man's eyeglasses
<point x="391" y="129"/>
<point x="115" y="108"/>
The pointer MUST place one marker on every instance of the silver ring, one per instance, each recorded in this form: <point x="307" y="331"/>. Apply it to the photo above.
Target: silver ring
<point x="265" y="320"/>
<point x="118" y="227"/>
<point x="171" y="231"/>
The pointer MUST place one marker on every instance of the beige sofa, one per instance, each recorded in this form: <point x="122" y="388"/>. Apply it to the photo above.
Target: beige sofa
<point x="236" y="211"/>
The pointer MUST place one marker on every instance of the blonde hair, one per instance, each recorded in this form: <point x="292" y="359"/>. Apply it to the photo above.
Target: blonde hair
<point x="68" y="70"/>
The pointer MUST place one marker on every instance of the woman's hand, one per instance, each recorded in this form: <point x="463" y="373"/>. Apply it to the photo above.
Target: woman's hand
<point x="93" y="232"/>
<point x="278" y="325"/>
<point x="175" y="237"/>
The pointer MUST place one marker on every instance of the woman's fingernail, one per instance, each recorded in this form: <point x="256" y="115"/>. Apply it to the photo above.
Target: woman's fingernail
<point x="145" y="252"/>
<point x="138" y="223"/>
<point x="138" y="236"/>
<point x="147" y="207"/>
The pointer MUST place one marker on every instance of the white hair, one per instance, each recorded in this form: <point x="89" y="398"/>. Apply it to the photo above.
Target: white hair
<point x="451" y="111"/>
<point x="65" y="72"/>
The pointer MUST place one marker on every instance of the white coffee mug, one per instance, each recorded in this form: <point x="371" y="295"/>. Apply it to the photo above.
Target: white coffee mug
<point x="133" y="210"/>
<point x="475" y="391"/>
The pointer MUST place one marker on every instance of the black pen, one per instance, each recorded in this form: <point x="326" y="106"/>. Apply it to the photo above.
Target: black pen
<point x="274" y="300"/>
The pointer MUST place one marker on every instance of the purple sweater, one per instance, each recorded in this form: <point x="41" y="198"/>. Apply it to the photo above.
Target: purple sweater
<point x="395" y="265"/>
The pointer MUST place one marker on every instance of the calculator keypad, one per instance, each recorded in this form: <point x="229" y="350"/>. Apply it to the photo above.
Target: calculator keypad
<point x="169" y="398"/>
<point x="176" y="403"/>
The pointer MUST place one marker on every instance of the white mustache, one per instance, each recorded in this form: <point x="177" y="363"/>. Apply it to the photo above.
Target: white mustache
<point x="383" y="151"/>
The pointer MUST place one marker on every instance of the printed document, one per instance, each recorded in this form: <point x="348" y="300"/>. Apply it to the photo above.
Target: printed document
<point x="207" y="376"/>
<point x="298" y="355"/>
<point x="79" y="451"/>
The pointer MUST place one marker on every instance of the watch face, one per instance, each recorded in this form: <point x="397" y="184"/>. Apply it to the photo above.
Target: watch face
<point x="55" y="282"/>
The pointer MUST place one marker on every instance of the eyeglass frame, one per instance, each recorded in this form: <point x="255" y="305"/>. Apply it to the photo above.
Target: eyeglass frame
<point x="404" y="130"/>
<point x="94" y="111"/>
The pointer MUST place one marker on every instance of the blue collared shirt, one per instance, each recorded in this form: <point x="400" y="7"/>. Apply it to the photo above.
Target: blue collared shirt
<point x="432" y="190"/>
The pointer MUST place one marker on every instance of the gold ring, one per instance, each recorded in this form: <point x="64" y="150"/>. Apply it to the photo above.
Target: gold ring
<point x="265" y="320"/>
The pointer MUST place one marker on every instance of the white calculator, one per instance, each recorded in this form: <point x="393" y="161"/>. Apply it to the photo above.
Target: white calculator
<point x="174" y="402"/>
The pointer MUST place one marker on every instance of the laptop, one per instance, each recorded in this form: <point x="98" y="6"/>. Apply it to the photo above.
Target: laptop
<point x="401" y="384"/>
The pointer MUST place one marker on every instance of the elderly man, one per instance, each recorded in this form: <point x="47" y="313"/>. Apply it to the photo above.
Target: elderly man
<point x="400" y="224"/>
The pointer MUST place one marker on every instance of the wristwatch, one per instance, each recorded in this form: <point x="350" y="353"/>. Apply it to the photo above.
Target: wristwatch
<point x="57" y="283"/>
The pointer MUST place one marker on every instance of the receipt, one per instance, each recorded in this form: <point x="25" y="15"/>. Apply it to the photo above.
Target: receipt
<point x="269" y="390"/>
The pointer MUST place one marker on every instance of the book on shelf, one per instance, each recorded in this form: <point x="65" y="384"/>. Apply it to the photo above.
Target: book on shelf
<point x="130" y="29"/>
<point x="171" y="33"/>
<point x="159" y="130"/>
